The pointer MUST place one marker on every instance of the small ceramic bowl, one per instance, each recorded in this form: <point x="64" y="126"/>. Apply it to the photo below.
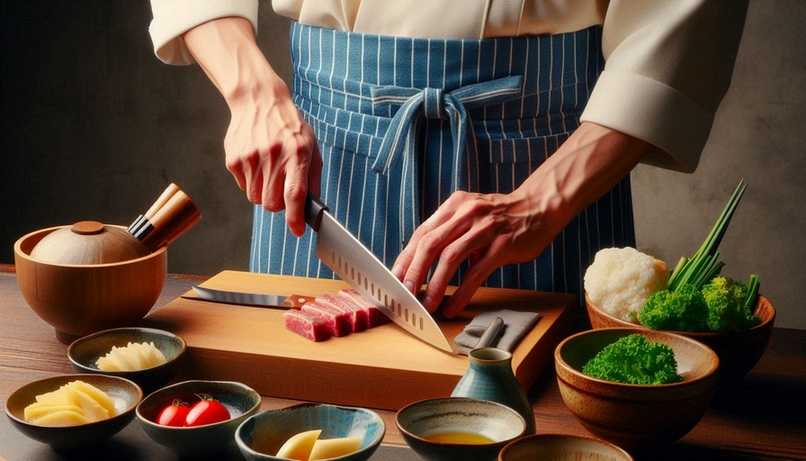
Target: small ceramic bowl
<point x="200" y="441"/>
<point x="458" y="421"/>
<point x="738" y="352"/>
<point x="631" y="415"/>
<point x="123" y="392"/>
<point x="557" y="447"/>
<point x="260" y="437"/>
<point x="84" y="352"/>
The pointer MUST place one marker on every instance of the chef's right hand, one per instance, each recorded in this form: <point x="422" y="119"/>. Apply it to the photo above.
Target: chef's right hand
<point x="272" y="153"/>
<point x="270" y="150"/>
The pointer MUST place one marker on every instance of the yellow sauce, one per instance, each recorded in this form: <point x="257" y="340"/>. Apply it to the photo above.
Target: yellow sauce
<point x="462" y="438"/>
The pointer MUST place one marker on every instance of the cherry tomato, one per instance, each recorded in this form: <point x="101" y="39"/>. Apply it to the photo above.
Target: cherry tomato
<point x="173" y="414"/>
<point x="206" y="411"/>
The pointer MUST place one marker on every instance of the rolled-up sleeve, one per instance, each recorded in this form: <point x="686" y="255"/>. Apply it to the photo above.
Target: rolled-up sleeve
<point x="668" y="67"/>
<point x="172" y="18"/>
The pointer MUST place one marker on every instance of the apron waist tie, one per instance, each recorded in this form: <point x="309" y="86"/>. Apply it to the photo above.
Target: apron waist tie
<point x="433" y="103"/>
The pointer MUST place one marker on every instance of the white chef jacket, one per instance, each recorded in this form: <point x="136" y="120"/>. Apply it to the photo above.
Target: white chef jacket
<point x="668" y="62"/>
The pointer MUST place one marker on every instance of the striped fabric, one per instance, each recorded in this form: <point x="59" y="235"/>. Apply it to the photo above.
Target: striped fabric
<point x="402" y="123"/>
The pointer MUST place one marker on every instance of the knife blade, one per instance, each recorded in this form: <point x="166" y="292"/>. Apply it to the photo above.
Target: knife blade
<point x="251" y="299"/>
<point x="364" y="272"/>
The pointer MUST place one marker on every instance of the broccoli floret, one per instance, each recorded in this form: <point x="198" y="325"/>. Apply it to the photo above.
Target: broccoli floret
<point x="681" y="310"/>
<point x="634" y="360"/>
<point x="729" y="306"/>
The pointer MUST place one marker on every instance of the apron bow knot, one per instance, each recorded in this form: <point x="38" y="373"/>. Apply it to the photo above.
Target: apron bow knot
<point x="418" y="106"/>
<point x="434" y="103"/>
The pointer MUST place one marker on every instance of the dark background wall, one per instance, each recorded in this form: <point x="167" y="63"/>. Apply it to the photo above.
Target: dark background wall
<point x="95" y="127"/>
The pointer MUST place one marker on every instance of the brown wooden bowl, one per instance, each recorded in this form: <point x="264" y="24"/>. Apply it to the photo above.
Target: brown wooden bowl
<point x="738" y="351"/>
<point x="633" y="415"/>
<point x="79" y="299"/>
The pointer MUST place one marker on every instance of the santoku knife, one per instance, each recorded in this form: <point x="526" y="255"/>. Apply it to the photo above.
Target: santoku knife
<point x="357" y="266"/>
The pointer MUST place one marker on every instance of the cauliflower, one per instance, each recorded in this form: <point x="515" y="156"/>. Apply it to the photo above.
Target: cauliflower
<point x="620" y="280"/>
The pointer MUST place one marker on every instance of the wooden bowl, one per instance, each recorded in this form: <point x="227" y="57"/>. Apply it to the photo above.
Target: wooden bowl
<point x="559" y="447"/>
<point x="79" y="299"/>
<point x="633" y="415"/>
<point x="738" y="351"/>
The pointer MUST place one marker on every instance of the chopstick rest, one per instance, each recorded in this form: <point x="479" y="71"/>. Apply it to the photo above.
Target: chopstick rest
<point x="516" y="325"/>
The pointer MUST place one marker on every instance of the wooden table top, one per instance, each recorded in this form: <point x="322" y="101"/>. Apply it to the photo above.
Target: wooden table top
<point x="760" y="417"/>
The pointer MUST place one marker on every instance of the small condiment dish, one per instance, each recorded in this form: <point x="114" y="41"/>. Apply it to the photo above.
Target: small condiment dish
<point x="260" y="437"/>
<point x="126" y="395"/>
<point x="84" y="352"/>
<point x="559" y="447"/>
<point x="200" y="441"/>
<point x="632" y="415"/>
<point x="452" y="428"/>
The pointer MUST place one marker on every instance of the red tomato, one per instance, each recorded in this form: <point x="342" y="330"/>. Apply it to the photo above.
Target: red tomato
<point x="206" y="411"/>
<point x="174" y="414"/>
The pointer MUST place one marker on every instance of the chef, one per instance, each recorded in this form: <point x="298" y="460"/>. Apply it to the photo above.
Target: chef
<point x="465" y="142"/>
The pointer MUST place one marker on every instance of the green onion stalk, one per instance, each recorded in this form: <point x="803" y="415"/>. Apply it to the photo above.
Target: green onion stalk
<point x="705" y="264"/>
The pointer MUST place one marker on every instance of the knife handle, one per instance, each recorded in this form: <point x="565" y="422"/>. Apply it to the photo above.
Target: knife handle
<point x="313" y="212"/>
<point x="297" y="301"/>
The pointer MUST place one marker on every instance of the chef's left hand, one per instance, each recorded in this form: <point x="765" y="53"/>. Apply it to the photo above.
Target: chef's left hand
<point x="490" y="230"/>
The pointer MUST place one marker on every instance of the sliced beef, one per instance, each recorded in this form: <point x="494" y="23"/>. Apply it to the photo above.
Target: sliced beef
<point x="374" y="316"/>
<point x="339" y="322"/>
<point x="358" y="316"/>
<point x="307" y="325"/>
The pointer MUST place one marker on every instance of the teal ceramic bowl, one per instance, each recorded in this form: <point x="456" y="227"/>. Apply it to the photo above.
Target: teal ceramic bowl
<point x="260" y="437"/>
<point x="201" y="441"/>
<point x="84" y="352"/>
<point x="123" y="392"/>
<point x="421" y="422"/>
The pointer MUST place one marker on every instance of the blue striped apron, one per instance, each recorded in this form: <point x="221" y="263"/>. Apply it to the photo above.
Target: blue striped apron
<point x="402" y="123"/>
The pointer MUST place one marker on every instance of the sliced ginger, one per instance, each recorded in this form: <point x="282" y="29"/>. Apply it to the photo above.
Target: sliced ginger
<point x="333" y="448"/>
<point x="74" y="403"/>
<point x="132" y="357"/>
<point x="299" y="446"/>
<point x="307" y="446"/>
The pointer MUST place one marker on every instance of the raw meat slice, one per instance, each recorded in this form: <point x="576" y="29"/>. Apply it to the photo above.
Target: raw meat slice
<point x="358" y="316"/>
<point x="307" y="325"/>
<point x="374" y="316"/>
<point x="338" y="321"/>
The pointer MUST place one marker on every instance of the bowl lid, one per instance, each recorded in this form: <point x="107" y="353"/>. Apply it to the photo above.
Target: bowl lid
<point x="88" y="242"/>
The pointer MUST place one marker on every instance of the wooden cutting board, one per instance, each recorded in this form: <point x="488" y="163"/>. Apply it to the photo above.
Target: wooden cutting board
<point x="384" y="367"/>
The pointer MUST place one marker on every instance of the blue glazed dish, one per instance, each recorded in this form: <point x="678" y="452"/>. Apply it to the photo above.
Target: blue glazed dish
<point x="260" y="437"/>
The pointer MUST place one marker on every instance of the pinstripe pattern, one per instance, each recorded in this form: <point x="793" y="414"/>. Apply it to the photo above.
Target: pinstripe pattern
<point x="381" y="195"/>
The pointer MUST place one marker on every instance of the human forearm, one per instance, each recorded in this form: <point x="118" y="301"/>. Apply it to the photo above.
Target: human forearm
<point x="270" y="150"/>
<point x="590" y="163"/>
<point x="227" y="52"/>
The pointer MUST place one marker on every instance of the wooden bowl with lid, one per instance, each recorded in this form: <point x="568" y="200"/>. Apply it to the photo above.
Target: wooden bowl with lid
<point x="88" y="277"/>
<point x="91" y="276"/>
